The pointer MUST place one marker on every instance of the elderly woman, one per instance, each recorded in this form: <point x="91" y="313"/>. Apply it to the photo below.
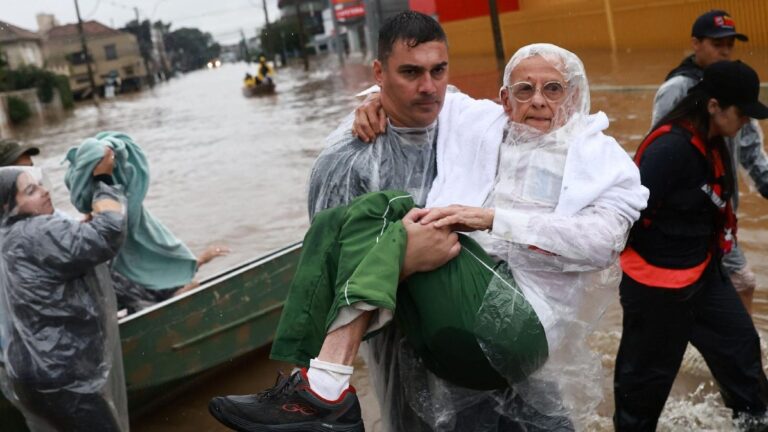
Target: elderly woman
<point x="60" y="359"/>
<point x="507" y="311"/>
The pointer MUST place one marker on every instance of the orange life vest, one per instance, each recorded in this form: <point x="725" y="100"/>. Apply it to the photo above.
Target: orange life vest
<point x="636" y="267"/>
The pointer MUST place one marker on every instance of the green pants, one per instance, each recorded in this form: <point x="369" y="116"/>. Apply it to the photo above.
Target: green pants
<point x="468" y="324"/>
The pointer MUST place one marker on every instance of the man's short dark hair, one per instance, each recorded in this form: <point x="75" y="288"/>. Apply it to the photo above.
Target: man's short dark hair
<point x="413" y="28"/>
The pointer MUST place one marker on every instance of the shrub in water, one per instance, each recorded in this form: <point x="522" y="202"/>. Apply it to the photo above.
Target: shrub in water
<point x="18" y="110"/>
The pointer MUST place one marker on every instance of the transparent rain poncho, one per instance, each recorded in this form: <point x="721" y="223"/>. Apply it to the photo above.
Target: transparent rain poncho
<point x="564" y="201"/>
<point x="60" y="356"/>
<point x="401" y="159"/>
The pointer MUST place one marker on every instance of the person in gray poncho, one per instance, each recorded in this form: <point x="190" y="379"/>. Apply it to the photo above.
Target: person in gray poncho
<point x="60" y="360"/>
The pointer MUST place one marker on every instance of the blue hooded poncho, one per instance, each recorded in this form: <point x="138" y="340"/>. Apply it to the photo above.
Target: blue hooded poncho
<point x="151" y="255"/>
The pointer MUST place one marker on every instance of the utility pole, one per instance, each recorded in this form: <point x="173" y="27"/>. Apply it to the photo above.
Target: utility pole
<point x="497" y="42"/>
<point x="337" y="32"/>
<point x="301" y="35"/>
<point x="85" y="54"/>
<point x="144" y="53"/>
<point x="609" y="21"/>
<point x="245" y="46"/>
<point x="268" y="34"/>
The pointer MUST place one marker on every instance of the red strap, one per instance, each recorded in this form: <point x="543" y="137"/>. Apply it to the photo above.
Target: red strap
<point x="649" y="139"/>
<point x="696" y="141"/>
<point x="642" y="271"/>
<point x="728" y="234"/>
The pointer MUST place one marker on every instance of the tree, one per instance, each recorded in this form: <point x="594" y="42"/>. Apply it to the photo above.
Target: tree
<point x="191" y="48"/>
<point x="143" y="34"/>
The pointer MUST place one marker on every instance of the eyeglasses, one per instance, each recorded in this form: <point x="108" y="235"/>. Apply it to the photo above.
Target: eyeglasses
<point x="524" y="91"/>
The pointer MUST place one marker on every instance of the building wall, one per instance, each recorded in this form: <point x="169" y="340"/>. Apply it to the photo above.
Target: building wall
<point x="128" y="64"/>
<point x="580" y="24"/>
<point x="23" y="53"/>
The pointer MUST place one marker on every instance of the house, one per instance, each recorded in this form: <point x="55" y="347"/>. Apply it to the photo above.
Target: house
<point x="113" y="54"/>
<point x="20" y="47"/>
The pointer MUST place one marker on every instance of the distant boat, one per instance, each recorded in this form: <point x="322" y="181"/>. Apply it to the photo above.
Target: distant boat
<point x="265" y="88"/>
<point x="167" y="345"/>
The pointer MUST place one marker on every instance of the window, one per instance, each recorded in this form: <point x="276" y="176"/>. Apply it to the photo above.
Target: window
<point x="110" y="51"/>
<point x="76" y="58"/>
<point x="128" y="70"/>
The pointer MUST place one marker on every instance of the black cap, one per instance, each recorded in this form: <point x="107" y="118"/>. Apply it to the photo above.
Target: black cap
<point x="11" y="150"/>
<point x="716" y="24"/>
<point x="735" y="83"/>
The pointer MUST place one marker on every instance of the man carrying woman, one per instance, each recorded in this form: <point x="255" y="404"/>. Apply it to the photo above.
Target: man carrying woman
<point x="507" y="310"/>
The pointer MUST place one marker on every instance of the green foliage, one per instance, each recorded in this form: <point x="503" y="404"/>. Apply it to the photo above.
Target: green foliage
<point x="191" y="48"/>
<point x="65" y="92"/>
<point x="46" y="85"/>
<point x="143" y="35"/>
<point x="282" y="33"/>
<point x="27" y="77"/>
<point x="18" y="110"/>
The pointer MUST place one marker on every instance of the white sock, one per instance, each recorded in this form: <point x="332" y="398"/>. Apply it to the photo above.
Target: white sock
<point x="328" y="380"/>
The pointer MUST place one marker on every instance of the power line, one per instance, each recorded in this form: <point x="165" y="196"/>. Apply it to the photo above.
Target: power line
<point x="120" y="5"/>
<point x="95" y="8"/>
<point x="212" y="13"/>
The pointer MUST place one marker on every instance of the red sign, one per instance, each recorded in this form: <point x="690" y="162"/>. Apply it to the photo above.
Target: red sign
<point x="350" y="12"/>
<point x="454" y="10"/>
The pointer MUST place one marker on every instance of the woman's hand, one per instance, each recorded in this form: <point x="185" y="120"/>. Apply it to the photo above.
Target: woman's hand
<point x="212" y="252"/>
<point x="370" y="120"/>
<point x="107" y="164"/>
<point x="460" y="218"/>
<point x="427" y="247"/>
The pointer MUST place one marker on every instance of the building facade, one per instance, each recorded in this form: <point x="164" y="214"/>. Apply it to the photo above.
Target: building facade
<point x="20" y="47"/>
<point x="588" y="24"/>
<point x="112" y="54"/>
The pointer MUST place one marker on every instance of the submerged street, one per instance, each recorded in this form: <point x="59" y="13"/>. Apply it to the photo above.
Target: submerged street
<point x="232" y="170"/>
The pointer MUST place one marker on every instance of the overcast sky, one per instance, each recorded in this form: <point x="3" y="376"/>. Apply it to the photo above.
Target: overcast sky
<point x="222" y="18"/>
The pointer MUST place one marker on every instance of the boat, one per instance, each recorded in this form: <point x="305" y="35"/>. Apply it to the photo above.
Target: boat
<point x="166" y="346"/>
<point x="265" y="88"/>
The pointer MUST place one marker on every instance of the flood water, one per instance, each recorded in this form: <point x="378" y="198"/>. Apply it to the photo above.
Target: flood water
<point x="231" y="170"/>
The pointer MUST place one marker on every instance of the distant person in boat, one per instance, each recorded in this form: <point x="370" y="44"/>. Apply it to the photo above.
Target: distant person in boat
<point x="152" y="265"/>
<point x="264" y="72"/>
<point x="713" y="38"/>
<point x="60" y="358"/>
<point x="351" y="262"/>
<point x="249" y="80"/>
<point x="674" y="290"/>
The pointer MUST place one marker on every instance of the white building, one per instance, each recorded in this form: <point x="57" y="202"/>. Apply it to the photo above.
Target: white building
<point x="20" y="47"/>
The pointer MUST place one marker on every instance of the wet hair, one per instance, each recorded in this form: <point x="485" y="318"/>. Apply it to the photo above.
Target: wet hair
<point x="414" y="28"/>
<point x="8" y="178"/>
<point x="693" y="108"/>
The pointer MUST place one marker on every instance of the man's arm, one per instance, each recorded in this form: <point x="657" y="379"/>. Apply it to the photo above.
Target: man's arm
<point x="752" y="156"/>
<point x="668" y="95"/>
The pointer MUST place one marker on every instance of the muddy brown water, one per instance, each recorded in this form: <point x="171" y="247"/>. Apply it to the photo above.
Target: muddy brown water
<point x="231" y="170"/>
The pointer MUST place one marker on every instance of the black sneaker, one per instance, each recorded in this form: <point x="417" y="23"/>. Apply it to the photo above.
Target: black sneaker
<point x="289" y="406"/>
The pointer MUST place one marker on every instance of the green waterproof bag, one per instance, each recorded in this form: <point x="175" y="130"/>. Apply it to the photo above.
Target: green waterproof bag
<point x="470" y="323"/>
